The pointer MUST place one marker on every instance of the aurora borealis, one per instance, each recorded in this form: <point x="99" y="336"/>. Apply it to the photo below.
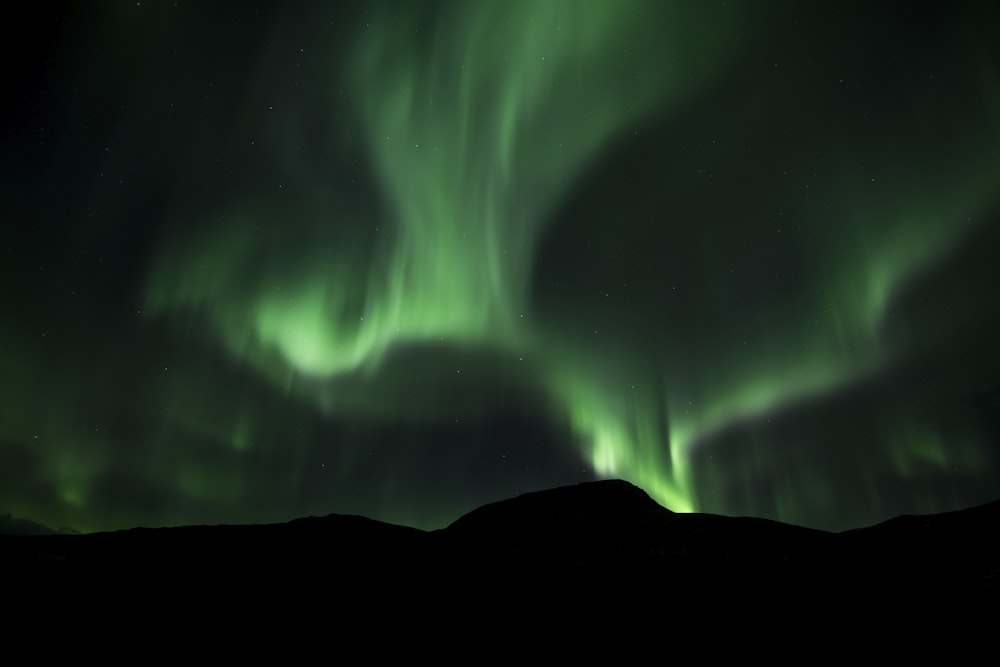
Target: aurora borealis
<point x="399" y="259"/>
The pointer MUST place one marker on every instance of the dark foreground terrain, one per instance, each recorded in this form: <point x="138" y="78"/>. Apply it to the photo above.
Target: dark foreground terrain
<point x="601" y="550"/>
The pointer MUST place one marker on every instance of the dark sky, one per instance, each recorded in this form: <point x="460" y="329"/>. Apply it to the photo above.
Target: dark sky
<point x="263" y="260"/>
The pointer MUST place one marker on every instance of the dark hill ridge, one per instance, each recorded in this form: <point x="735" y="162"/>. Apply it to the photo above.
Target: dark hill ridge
<point x="609" y="536"/>
<point x="10" y="525"/>
<point x="592" y="504"/>
<point x="595" y="520"/>
<point x="616" y="520"/>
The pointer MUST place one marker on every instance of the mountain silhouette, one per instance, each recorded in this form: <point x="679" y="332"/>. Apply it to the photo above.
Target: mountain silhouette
<point x="567" y="548"/>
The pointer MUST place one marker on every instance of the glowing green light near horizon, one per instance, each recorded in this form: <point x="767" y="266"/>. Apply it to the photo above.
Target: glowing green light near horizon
<point x="403" y="258"/>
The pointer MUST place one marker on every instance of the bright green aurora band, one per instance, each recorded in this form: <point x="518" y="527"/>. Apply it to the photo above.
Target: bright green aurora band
<point x="716" y="359"/>
<point x="475" y="128"/>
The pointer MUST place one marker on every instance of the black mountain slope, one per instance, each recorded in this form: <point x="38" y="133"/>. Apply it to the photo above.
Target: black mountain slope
<point x="11" y="525"/>
<point x="562" y="544"/>
<point x="610" y="536"/>
<point x="613" y="521"/>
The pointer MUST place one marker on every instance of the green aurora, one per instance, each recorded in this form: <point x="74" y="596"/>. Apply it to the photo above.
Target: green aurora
<point x="405" y="259"/>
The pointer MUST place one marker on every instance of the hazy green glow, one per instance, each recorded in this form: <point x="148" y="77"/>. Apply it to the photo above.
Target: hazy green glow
<point x="843" y="344"/>
<point x="475" y="127"/>
<point x="476" y="121"/>
<point x="712" y="253"/>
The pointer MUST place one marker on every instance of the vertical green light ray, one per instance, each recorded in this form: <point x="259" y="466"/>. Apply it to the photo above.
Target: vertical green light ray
<point x="623" y="428"/>
<point x="475" y="138"/>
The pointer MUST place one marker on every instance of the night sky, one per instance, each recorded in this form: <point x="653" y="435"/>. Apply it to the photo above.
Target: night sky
<point x="400" y="259"/>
